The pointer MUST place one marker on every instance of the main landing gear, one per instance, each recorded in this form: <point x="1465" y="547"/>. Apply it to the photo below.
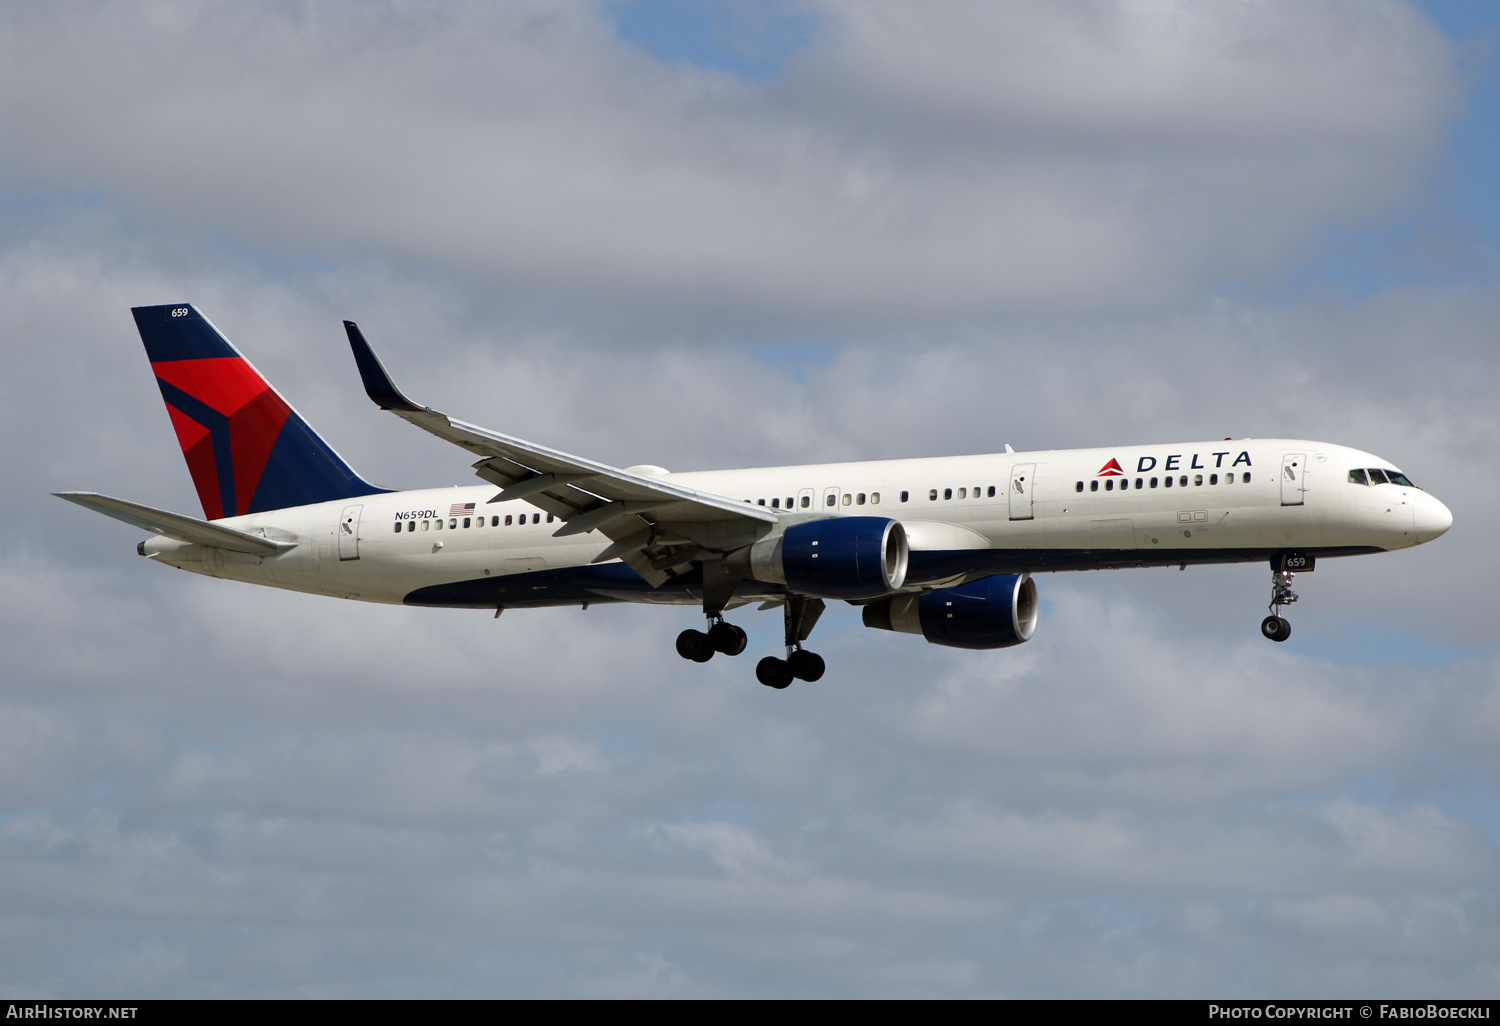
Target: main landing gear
<point x="700" y="646"/>
<point x="799" y="664"/>
<point x="722" y="636"/>
<point x="1275" y="626"/>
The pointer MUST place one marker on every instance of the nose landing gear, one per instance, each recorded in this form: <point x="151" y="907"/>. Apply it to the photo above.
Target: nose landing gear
<point x="1275" y="627"/>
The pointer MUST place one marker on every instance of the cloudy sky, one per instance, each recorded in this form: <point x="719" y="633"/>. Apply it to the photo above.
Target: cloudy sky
<point x="710" y="234"/>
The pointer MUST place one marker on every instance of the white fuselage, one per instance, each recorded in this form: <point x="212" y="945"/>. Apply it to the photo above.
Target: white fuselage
<point x="965" y="517"/>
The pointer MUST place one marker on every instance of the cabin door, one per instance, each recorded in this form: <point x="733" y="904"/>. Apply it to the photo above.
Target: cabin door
<point x="349" y="532"/>
<point x="1022" y="482"/>
<point x="1293" y="478"/>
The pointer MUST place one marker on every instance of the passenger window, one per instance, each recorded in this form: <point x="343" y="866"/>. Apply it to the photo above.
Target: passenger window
<point x="424" y="525"/>
<point x="1167" y="482"/>
<point x="549" y="518"/>
<point x="874" y="498"/>
<point x="1182" y="481"/>
<point x="947" y="493"/>
<point x="1124" y="483"/>
<point x="1377" y="477"/>
<point x="1229" y="479"/>
<point x="1093" y="486"/>
<point x="1153" y="482"/>
<point x="508" y="520"/>
<point x="776" y="503"/>
<point x="1078" y="487"/>
<point x="830" y="500"/>
<point x="411" y="525"/>
<point x="905" y="496"/>
<point x="806" y="501"/>
<point x="992" y="491"/>
<point x="1197" y="479"/>
<point x="848" y="498"/>
<point x="788" y="502"/>
<point x="467" y="522"/>
<point x="1109" y="484"/>
<point x="932" y="495"/>
<point x="1358" y="477"/>
<point x="1247" y="477"/>
<point x="1213" y="478"/>
<point x="963" y="493"/>
<point x="437" y="525"/>
<point x="1139" y="484"/>
<point x="760" y="502"/>
<point x="398" y="527"/>
<point x="859" y="500"/>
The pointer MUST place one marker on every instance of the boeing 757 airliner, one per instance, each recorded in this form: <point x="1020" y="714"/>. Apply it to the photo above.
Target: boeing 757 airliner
<point x="944" y="547"/>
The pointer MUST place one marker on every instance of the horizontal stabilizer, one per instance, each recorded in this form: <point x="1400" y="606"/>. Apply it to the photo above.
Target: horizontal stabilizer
<point x="178" y="527"/>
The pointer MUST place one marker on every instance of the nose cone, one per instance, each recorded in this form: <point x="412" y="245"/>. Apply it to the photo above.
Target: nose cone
<point x="1430" y="517"/>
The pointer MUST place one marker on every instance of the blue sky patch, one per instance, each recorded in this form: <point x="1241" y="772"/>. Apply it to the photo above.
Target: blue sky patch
<point x="752" y="41"/>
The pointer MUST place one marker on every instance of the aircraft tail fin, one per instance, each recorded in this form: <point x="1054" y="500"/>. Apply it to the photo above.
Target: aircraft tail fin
<point x="247" y="450"/>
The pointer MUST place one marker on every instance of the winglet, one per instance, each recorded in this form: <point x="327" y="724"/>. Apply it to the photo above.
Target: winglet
<point x="378" y="384"/>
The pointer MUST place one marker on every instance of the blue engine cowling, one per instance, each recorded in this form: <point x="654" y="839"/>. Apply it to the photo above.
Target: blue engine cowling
<point x="993" y="612"/>
<point x="839" y="557"/>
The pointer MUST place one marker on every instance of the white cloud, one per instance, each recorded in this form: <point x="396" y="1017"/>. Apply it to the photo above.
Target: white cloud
<point x="969" y="158"/>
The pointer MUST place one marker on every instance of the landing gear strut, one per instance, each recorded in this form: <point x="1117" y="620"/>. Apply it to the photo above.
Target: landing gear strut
<point x="800" y="664"/>
<point x="1275" y="626"/>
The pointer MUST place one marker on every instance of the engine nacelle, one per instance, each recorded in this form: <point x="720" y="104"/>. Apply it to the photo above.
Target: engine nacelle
<point x="839" y="558"/>
<point x="993" y="612"/>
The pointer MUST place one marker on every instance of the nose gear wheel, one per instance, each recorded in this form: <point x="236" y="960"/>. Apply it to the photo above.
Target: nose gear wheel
<point x="1275" y="627"/>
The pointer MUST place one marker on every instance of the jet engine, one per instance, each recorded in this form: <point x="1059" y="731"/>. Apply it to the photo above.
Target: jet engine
<point x="993" y="612"/>
<point x="839" y="558"/>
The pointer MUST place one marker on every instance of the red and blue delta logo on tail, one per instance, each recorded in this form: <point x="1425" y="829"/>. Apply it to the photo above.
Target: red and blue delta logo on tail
<point x="247" y="450"/>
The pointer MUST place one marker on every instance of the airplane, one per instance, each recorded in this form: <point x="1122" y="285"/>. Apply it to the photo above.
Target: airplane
<point x="944" y="548"/>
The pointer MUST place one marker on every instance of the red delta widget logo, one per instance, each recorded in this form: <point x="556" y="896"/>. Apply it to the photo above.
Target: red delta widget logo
<point x="1147" y="464"/>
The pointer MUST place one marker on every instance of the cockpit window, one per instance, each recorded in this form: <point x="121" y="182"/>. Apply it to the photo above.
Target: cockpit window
<point x="1372" y="476"/>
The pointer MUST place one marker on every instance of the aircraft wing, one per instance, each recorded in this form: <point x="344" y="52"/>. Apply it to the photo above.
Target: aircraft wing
<point x="657" y="526"/>
<point x="176" y="526"/>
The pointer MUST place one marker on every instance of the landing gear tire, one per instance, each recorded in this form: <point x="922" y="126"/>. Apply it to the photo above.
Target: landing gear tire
<point x="727" y="638"/>
<point x="773" y="672"/>
<point x="1276" y="628"/>
<point x="805" y="665"/>
<point x="695" y="645"/>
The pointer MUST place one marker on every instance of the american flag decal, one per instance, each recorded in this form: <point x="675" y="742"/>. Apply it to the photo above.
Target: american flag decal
<point x="459" y="509"/>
